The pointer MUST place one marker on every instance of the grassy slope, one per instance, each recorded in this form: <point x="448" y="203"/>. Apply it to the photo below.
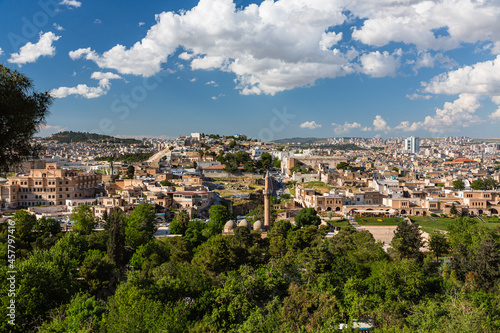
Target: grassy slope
<point x="428" y="225"/>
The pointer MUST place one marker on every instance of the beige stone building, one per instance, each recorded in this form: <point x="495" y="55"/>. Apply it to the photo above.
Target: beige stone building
<point x="49" y="186"/>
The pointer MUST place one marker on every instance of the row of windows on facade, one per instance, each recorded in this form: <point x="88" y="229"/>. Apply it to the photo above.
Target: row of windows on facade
<point x="23" y="189"/>
<point x="40" y="183"/>
<point x="469" y="195"/>
<point x="92" y="179"/>
<point x="39" y="203"/>
<point x="77" y="195"/>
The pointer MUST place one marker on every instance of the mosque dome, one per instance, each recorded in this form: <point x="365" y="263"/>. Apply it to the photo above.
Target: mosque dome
<point x="244" y="223"/>
<point x="257" y="225"/>
<point x="229" y="226"/>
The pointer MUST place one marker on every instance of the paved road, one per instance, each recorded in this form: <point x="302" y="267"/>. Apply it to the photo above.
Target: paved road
<point x="156" y="157"/>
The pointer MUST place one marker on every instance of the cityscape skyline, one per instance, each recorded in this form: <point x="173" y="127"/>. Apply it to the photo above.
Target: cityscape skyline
<point x="268" y="69"/>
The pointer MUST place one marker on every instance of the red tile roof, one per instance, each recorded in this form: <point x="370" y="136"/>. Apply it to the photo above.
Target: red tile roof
<point x="461" y="160"/>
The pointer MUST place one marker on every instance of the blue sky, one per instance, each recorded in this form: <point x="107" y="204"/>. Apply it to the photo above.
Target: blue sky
<point x="269" y="69"/>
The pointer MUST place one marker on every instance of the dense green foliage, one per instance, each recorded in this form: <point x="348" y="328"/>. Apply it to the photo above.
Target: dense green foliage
<point x="140" y="225"/>
<point x="243" y="159"/>
<point x="233" y="161"/>
<point x="484" y="184"/>
<point x="83" y="219"/>
<point x="458" y="184"/>
<point x="293" y="280"/>
<point x="179" y="224"/>
<point x="343" y="166"/>
<point x="307" y="216"/>
<point x="166" y="182"/>
<point x="23" y="110"/>
<point x="70" y="136"/>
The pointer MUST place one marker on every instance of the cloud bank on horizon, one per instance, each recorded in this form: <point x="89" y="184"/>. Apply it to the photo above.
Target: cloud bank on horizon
<point x="282" y="45"/>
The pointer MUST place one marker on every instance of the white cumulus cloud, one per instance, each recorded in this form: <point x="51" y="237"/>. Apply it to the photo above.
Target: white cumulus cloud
<point x="345" y="128"/>
<point x="377" y="64"/>
<point x="31" y="52"/>
<point x="416" y="96"/>
<point x="380" y="125"/>
<point x="428" y="60"/>
<point x="86" y="91"/>
<point x="71" y="3"/>
<point x="495" y="115"/>
<point x="279" y="45"/>
<point x="217" y="97"/>
<point x="328" y="39"/>
<point x="451" y="118"/>
<point x="482" y="78"/>
<point x="310" y="125"/>
<point x="57" y="27"/>
<point x="186" y="56"/>
<point x="435" y="25"/>
<point x="269" y="47"/>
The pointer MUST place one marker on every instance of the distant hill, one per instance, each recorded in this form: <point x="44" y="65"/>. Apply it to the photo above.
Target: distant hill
<point x="300" y="141"/>
<point x="70" y="136"/>
<point x="305" y="143"/>
<point x="344" y="146"/>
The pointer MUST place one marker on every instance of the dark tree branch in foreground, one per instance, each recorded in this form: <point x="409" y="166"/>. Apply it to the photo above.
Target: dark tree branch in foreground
<point x="22" y="111"/>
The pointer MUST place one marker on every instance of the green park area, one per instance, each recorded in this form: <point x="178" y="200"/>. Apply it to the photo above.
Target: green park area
<point x="369" y="221"/>
<point x="440" y="223"/>
<point x="318" y="186"/>
<point x="338" y="223"/>
<point x="429" y="224"/>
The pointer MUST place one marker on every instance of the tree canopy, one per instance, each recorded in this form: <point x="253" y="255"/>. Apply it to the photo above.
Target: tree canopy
<point x="408" y="240"/>
<point x="140" y="225"/>
<point x="23" y="112"/>
<point x="83" y="219"/>
<point x="343" y="166"/>
<point x="307" y="216"/>
<point x="458" y="184"/>
<point x="484" y="184"/>
<point x="219" y="215"/>
<point x="293" y="280"/>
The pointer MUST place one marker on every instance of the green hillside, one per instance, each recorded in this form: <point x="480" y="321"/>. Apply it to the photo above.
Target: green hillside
<point x="70" y="136"/>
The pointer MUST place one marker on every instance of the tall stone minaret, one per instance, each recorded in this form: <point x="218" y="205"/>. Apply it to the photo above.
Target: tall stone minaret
<point x="267" y="201"/>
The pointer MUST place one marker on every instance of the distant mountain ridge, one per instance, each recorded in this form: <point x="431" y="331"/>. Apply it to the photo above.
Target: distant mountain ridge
<point x="307" y="141"/>
<point x="312" y="142"/>
<point x="301" y="141"/>
<point x="70" y="136"/>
